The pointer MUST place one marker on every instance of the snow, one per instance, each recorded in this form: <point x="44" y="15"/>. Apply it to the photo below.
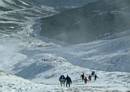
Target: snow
<point x="48" y="8"/>
<point x="54" y="67"/>
<point x="11" y="83"/>
<point x="112" y="53"/>
<point x="42" y="67"/>
<point x="23" y="2"/>
<point x="29" y="64"/>
<point x="108" y="81"/>
<point x="9" y="55"/>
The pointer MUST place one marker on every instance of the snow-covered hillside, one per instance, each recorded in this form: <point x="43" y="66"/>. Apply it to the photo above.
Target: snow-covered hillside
<point x="31" y="64"/>
<point x="107" y="82"/>
<point x="108" y="55"/>
<point x="40" y="66"/>
<point x="11" y="83"/>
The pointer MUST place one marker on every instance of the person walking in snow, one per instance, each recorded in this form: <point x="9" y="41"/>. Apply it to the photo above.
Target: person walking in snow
<point x="89" y="77"/>
<point x="93" y="73"/>
<point x="82" y="77"/>
<point x="85" y="80"/>
<point x="62" y="80"/>
<point x="95" y="77"/>
<point x="68" y="81"/>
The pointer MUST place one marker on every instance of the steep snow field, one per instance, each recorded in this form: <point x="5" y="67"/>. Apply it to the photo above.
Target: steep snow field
<point x="11" y="83"/>
<point x="108" y="82"/>
<point x="42" y="64"/>
<point x="109" y="55"/>
<point x="34" y="65"/>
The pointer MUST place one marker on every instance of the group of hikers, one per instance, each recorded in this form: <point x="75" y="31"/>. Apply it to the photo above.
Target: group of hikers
<point x="67" y="80"/>
<point x="89" y="77"/>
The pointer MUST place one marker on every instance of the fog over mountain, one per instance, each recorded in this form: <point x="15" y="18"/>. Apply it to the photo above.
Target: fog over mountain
<point x="89" y="22"/>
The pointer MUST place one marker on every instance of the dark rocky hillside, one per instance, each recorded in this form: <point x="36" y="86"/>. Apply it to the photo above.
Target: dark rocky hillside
<point x="89" y="22"/>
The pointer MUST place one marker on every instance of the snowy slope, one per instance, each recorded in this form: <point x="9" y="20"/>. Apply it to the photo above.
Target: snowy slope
<point x="109" y="55"/>
<point x="108" y="82"/>
<point x="41" y="63"/>
<point x="10" y="83"/>
<point x="45" y="68"/>
<point x="40" y="66"/>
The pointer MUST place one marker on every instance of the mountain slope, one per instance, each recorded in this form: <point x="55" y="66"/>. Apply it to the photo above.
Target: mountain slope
<point x="15" y="84"/>
<point x="108" y="55"/>
<point x="107" y="82"/>
<point x="88" y="23"/>
<point x="22" y="52"/>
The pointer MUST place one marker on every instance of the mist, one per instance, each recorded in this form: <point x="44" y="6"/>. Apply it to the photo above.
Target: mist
<point x="88" y="23"/>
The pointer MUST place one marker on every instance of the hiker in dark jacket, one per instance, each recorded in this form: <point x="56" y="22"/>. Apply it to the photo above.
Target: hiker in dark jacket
<point x="85" y="80"/>
<point x="68" y="81"/>
<point x="82" y="77"/>
<point x="62" y="80"/>
<point x="89" y="77"/>
<point x="95" y="77"/>
<point x="93" y="73"/>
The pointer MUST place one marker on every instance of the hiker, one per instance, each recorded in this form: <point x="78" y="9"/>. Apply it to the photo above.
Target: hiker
<point x="82" y="76"/>
<point x="68" y="81"/>
<point x="95" y="77"/>
<point x="85" y="80"/>
<point x="93" y="73"/>
<point x="89" y="77"/>
<point x="62" y="80"/>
